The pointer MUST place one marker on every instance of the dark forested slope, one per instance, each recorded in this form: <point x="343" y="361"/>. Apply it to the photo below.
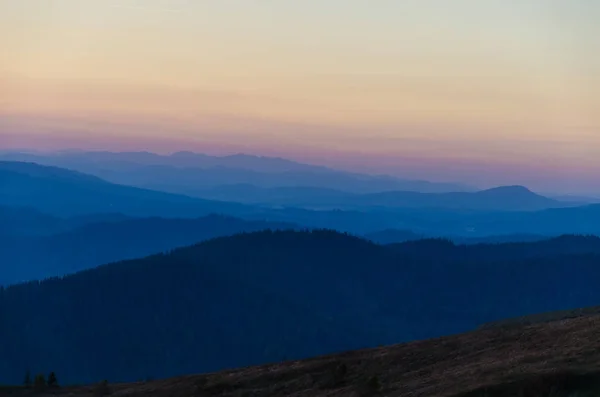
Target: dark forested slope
<point x="393" y="236"/>
<point x="265" y="296"/>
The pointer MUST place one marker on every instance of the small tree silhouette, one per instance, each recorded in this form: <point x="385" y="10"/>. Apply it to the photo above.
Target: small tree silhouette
<point x="102" y="389"/>
<point x="39" y="383"/>
<point x="340" y="373"/>
<point x="52" y="381"/>
<point x="27" y="380"/>
<point x="369" y="387"/>
<point x="374" y="384"/>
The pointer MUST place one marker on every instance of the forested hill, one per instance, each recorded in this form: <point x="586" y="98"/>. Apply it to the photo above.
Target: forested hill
<point x="499" y="252"/>
<point x="267" y="296"/>
<point x="36" y="257"/>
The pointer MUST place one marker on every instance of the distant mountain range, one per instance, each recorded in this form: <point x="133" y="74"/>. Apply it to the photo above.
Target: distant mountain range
<point x="192" y="173"/>
<point x="505" y="198"/>
<point x="580" y="200"/>
<point x="443" y="222"/>
<point x="269" y="296"/>
<point x="64" y="193"/>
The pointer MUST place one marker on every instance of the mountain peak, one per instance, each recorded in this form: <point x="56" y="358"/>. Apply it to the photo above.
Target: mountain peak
<point x="510" y="188"/>
<point x="512" y="191"/>
<point x="46" y="171"/>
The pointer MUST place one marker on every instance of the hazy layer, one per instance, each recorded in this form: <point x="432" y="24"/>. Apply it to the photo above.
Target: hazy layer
<point x="490" y="84"/>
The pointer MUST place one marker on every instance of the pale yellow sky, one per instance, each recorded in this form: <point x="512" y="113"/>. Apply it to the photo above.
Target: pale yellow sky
<point x="488" y="79"/>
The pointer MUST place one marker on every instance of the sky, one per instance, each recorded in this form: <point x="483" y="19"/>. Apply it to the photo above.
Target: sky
<point x="486" y="92"/>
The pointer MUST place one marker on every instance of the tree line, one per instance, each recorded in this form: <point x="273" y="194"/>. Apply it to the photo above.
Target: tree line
<point x="268" y="296"/>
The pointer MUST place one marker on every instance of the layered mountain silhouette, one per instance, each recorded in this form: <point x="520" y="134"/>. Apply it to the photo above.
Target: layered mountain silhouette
<point x="35" y="246"/>
<point x="581" y="200"/>
<point x="65" y="193"/>
<point x="27" y="221"/>
<point x="506" y="198"/>
<point x="23" y="220"/>
<point x="33" y="257"/>
<point x="59" y="191"/>
<point x="193" y="173"/>
<point x="280" y="182"/>
<point x="269" y="296"/>
<point x="182" y="159"/>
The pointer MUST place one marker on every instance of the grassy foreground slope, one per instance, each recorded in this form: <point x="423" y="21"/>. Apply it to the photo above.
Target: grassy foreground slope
<point x="559" y="358"/>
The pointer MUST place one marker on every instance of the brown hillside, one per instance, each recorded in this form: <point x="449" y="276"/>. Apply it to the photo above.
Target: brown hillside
<point x="532" y="360"/>
<point x="543" y="317"/>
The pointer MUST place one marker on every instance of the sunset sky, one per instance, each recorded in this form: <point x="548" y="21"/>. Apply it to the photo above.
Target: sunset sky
<point x="481" y="91"/>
